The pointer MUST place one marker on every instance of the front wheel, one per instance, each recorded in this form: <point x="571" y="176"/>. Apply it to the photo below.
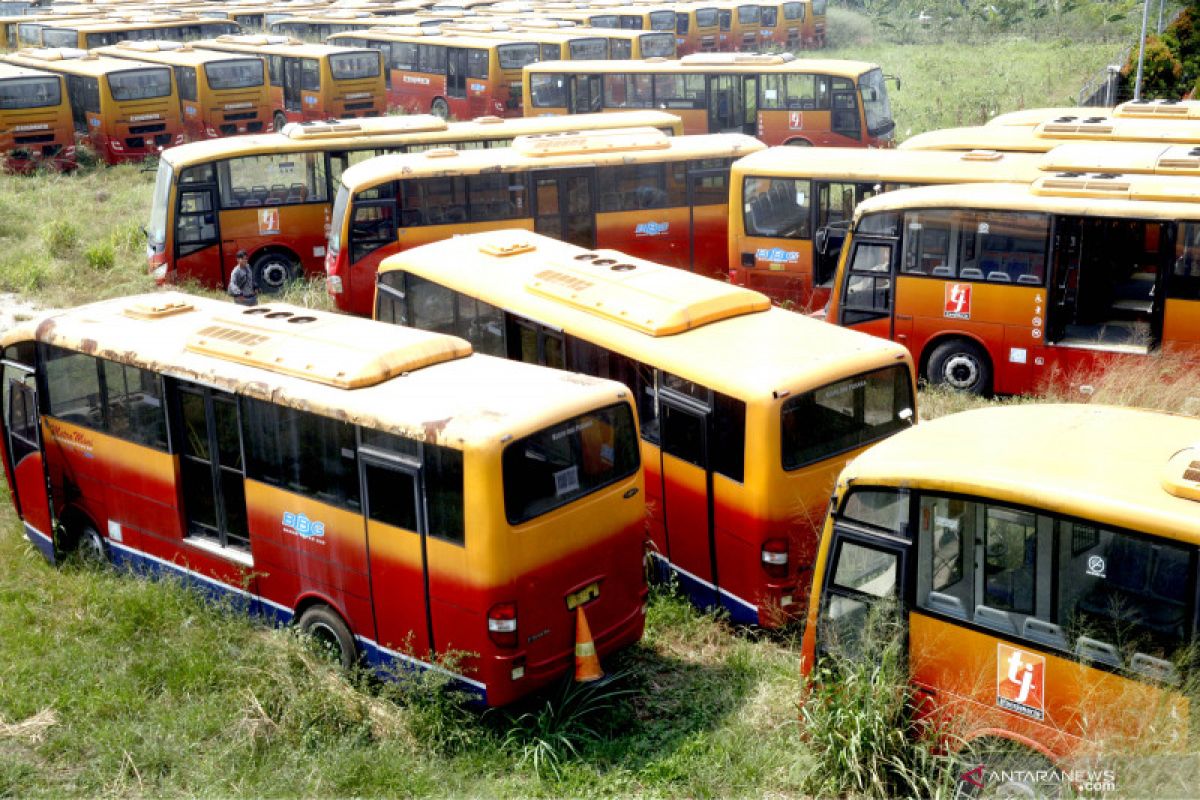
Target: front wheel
<point x="330" y="635"/>
<point x="280" y="121"/>
<point x="962" y="365"/>
<point x="274" y="271"/>
<point x="440" y="108"/>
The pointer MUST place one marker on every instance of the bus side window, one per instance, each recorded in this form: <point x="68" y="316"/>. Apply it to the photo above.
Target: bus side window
<point x="946" y="568"/>
<point x="590" y="359"/>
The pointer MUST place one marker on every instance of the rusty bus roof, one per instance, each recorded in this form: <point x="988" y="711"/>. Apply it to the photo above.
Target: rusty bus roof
<point x="167" y="52"/>
<point x="74" y="61"/>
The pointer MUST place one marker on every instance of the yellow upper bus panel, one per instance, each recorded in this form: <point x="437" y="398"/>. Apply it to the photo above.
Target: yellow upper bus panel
<point x="1148" y="158"/>
<point x="1107" y="464"/>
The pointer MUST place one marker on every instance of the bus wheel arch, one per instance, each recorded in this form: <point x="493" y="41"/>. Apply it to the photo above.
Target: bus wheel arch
<point x="274" y="268"/>
<point x="81" y="536"/>
<point x="278" y="121"/>
<point x="798" y="142"/>
<point x="960" y="362"/>
<point x="321" y="621"/>
<point x="1010" y="757"/>
<point x="439" y="107"/>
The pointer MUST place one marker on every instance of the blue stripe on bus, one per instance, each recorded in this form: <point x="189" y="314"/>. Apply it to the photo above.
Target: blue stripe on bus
<point x="700" y="592"/>
<point x="383" y="660"/>
<point x="41" y="541"/>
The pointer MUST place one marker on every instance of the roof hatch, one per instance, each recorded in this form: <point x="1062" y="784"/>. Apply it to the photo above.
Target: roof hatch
<point x="650" y="298"/>
<point x="1082" y="184"/>
<point x="575" y="142"/>
<point x="1071" y="126"/>
<point x="367" y="126"/>
<point x="322" y="347"/>
<point x="1182" y="475"/>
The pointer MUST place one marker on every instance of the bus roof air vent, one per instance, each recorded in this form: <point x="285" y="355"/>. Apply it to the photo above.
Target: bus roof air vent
<point x="1078" y="185"/>
<point x="441" y="152"/>
<point x="1180" y="159"/>
<point x="490" y="119"/>
<point x="366" y="126"/>
<point x="574" y="142"/>
<point x="725" y="59"/>
<point x="158" y="306"/>
<point x="982" y="155"/>
<point x="1182" y="475"/>
<point x="641" y="295"/>
<point x="513" y="248"/>
<point x="321" y="347"/>
<point x="1172" y="109"/>
<point x="1086" y="127"/>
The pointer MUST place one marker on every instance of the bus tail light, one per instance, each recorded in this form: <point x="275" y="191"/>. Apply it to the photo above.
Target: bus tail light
<point x="333" y="271"/>
<point x="502" y="624"/>
<point x="211" y="132"/>
<point x="775" y="557"/>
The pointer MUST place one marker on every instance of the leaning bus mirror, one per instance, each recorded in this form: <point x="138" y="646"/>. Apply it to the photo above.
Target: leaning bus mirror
<point x="145" y="232"/>
<point x="895" y="78"/>
<point x="906" y="415"/>
<point x="821" y="240"/>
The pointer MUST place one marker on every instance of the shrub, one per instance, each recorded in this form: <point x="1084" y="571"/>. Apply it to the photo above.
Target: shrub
<point x="61" y="238"/>
<point x="101" y="256"/>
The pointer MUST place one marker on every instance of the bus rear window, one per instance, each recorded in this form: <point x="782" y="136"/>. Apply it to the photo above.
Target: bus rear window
<point x="240" y="74"/>
<point x="140" y="84"/>
<point x="570" y="460"/>
<point x="59" y="37"/>
<point x="662" y="21"/>
<point x="30" y="92"/>
<point x="515" y="56"/>
<point x="589" y="50"/>
<point x="548" y="91"/>
<point x="845" y="415"/>
<point x="658" y="44"/>
<point x="348" y="66"/>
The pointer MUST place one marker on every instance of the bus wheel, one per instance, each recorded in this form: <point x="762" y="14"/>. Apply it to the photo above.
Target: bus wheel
<point x="280" y="121"/>
<point x="273" y="271"/>
<point x="994" y="768"/>
<point x="962" y="365"/>
<point x="441" y="108"/>
<point x="329" y="634"/>
<point x="85" y="543"/>
<point x="799" y="143"/>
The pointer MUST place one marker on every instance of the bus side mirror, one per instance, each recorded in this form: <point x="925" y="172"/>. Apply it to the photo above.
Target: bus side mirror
<point x="821" y="241"/>
<point x="145" y="232"/>
<point x="895" y="78"/>
<point x="906" y="415"/>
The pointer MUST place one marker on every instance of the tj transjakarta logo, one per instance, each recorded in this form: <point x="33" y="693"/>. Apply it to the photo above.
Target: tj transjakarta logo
<point x="1020" y="681"/>
<point x="651" y="228"/>
<point x="300" y="525"/>
<point x="958" y="301"/>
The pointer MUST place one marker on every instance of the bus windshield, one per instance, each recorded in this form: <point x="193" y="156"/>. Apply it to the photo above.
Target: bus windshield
<point x="567" y="461"/>
<point x="589" y="50"/>
<point x="59" y="37"/>
<point x="515" y="56"/>
<point x="30" y="93"/>
<point x="845" y="415"/>
<point x="140" y="84"/>
<point x="658" y="44"/>
<point x="347" y="66"/>
<point x="662" y="21"/>
<point x="240" y="74"/>
<point x="876" y="105"/>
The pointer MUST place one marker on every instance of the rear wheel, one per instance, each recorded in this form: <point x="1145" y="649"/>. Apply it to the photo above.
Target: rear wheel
<point x="330" y="635"/>
<point x="799" y="143"/>
<point x="273" y="271"/>
<point x="441" y="108"/>
<point x="85" y="544"/>
<point x="280" y="121"/>
<point x="962" y="365"/>
<point x="995" y="768"/>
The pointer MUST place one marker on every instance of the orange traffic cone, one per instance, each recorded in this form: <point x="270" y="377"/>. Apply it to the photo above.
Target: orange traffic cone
<point x="587" y="664"/>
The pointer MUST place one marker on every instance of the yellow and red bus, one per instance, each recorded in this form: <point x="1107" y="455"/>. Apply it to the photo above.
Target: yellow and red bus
<point x="627" y="44"/>
<point x="785" y="201"/>
<point x="313" y="81"/>
<point x="89" y="34"/>
<point x="1039" y="564"/>
<point x="125" y="110"/>
<point x="816" y="23"/>
<point x="302" y="477"/>
<point x="778" y="98"/>
<point x="449" y="74"/>
<point x="1011" y="287"/>
<point x="630" y="18"/>
<point x="554" y="44"/>
<point x="741" y="444"/>
<point x="1132" y="109"/>
<point x="35" y="120"/>
<point x="637" y="190"/>
<point x="271" y="194"/>
<point x="220" y="94"/>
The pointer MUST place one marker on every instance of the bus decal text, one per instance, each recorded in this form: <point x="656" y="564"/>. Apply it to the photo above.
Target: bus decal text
<point x="958" y="301"/>
<point x="300" y="525"/>
<point x="651" y="228"/>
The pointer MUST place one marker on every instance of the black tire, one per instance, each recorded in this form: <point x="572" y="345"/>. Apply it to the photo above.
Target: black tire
<point x="273" y="271"/>
<point x="85" y="545"/>
<point x="440" y="108"/>
<point x="961" y="365"/>
<point x="330" y="635"/>
<point x="279" y="121"/>
<point x="995" y="768"/>
<point x="799" y="143"/>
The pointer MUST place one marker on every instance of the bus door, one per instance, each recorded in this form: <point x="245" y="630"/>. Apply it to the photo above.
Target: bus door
<point x="863" y="572"/>
<point x="687" y="491"/>
<point x="199" y="252"/>
<point x="725" y="112"/>
<point x="212" y="478"/>
<point x="725" y="23"/>
<point x="586" y="97"/>
<point x="563" y="206"/>
<point x="23" y="447"/>
<point x="1066" y="255"/>
<point x="399" y="561"/>
<point x="456" y="72"/>
<point x="708" y="194"/>
<point x="844" y="118"/>
<point x="292" y="97"/>
<point x="868" y="287"/>
<point x="749" y="89"/>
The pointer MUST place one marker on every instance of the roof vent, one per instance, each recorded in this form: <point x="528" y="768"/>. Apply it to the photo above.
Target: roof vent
<point x="1087" y="127"/>
<point x="982" y="155"/>
<point x="159" y="306"/>
<point x="573" y="142"/>
<point x="1076" y="185"/>
<point x="1182" y="475"/>
<point x="514" y="248"/>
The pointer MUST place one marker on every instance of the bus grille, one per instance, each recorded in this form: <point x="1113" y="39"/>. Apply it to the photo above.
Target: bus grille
<point x="144" y="129"/>
<point x="243" y="115"/>
<point x="135" y="142"/>
<point x="162" y="139"/>
<point x="370" y="105"/>
<point x="41" y="137"/>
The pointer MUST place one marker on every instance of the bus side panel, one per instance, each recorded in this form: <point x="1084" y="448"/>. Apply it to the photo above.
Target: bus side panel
<point x="695" y="120"/>
<point x="415" y="92"/>
<point x="299" y="228"/>
<point x="738" y="539"/>
<point x="655" y="521"/>
<point x="776" y="127"/>
<point x="294" y="559"/>
<point x="782" y="268"/>
<point x="1181" y="325"/>
<point x="710" y="230"/>
<point x="965" y="675"/>
<point x="659" y="235"/>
